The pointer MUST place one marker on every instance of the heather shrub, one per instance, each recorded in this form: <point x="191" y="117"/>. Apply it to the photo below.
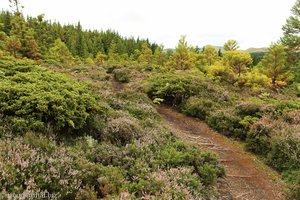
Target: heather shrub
<point x="122" y="130"/>
<point x="104" y="153"/>
<point x="292" y="117"/>
<point x="142" y="182"/>
<point x="86" y="193"/>
<point x="217" y="93"/>
<point x="284" y="153"/>
<point x="136" y="104"/>
<point x="260" y="134"/>
<point x="106" y="180"/>
<point x="96" y="73"/>
<point x="27" y="169"/>
<point x="180" y="183"/>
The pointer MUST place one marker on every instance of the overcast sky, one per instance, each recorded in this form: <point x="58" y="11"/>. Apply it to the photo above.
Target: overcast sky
<point x="253" y="23"/>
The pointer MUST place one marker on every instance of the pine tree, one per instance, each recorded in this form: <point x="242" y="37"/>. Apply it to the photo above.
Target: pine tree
<point x="146" y="54"/>
<point x="80" y="46"/>
<point x="31" y="48"/>
<point x="113" y="54"/>
<point x="274" y="64"/>
<point x="184" y="57"/>
<point x="6" y="18"/>
<point x="291" y="39"/>
<point x="159" y="56"/>
<point x="100" y="58"/>
<point x="3" y="39"/>
<point x="237" y="61"/>
<point x="13" y="45"/>
<point x="20" y="30"/>
<point x="41" y="33"/>
<point x="209" y="55"/>
<point x="231" y="45"/>
<point x="135" y="55"/>
<point x="60" y="53"/>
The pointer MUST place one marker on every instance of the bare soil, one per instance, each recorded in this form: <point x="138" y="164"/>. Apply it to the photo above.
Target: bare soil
<point x="247" y="178"/>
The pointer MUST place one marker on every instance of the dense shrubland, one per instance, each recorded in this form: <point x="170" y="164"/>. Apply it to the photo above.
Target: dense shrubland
<point x="63" y="136"/>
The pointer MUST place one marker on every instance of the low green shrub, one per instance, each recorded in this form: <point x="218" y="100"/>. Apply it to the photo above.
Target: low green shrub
<point x="40" y="142"/>
<point x="122" y="74"/>
<point x="32" y="98"/>
<point x="226" y="121"/>
<point x="260" y="135"/>
<point x="248" y="108"/>
<point x="284" y="153"/>
<point x="110" y="67"/>
<point x="247" y="121"/>
<point x="286" y="105"/>
<point x="198" y="107"/>
<point x="292" y="177"/>
<point x="174" y="88"/>
<point x="178" y="154"/>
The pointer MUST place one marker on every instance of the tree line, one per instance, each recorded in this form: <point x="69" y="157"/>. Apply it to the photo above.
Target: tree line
<point x="40" y="39"/>
<point x="33" y="38"/>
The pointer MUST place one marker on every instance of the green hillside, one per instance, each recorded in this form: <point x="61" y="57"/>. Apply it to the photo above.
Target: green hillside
<point x="79" y="119"/>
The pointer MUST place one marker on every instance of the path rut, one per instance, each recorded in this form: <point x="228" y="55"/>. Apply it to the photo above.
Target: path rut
<point x="246" y="177"/>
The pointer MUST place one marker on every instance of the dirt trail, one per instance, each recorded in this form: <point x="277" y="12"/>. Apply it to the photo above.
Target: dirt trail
<point x="117" y="86"/>
<point x="246" y="177"/>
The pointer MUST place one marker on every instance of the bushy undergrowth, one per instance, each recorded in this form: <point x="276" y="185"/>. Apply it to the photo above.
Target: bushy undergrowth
<point x="115" y="147"/>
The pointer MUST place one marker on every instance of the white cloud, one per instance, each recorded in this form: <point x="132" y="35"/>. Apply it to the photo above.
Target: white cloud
<point x="251" y="22"/>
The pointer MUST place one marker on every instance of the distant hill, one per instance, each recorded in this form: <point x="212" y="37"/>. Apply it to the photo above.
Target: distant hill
<point x="250" y="50"/>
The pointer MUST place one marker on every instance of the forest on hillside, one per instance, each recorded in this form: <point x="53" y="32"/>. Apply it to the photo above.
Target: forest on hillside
<point x="79" y="120"/>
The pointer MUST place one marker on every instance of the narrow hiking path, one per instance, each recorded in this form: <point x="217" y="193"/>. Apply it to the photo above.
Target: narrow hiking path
<point x="246" y="177"/>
